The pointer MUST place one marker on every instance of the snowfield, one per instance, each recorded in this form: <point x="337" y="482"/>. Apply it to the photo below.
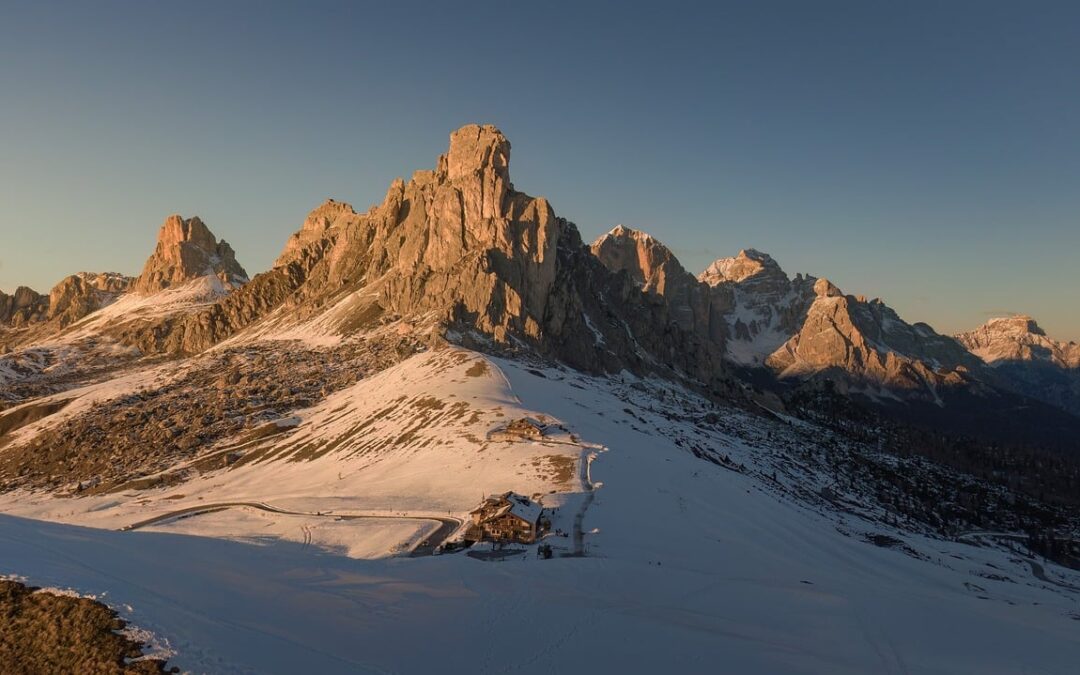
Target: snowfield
<point x="409" y="442"/>
<point x="690" y="565"/>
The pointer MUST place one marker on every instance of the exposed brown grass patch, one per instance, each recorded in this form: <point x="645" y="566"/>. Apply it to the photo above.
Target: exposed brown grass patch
<point x="478" y="369"/>
<point x="557" y="468"/>
<point x="45" y="633"/>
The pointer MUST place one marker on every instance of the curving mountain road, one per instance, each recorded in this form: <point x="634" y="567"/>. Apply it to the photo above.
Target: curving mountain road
<point x="427" y="547"/>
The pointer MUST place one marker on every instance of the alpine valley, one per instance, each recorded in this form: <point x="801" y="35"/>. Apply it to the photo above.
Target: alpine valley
<point x="312" y="469"/>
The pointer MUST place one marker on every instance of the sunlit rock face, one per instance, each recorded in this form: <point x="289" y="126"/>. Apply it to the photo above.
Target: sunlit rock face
<point x="455" y="251"/>
<point x="187" y="250"/>
<point x="654" y="269"/>
<point x="27" y="315"/>
<point x="1019" y="338"/>
<point x="22" y="307"/>
<point x="1028" y="361"/>
<point x="762" y="307"/>
<point x="81" y="294"/>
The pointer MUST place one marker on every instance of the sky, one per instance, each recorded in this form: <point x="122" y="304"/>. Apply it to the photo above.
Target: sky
<point x="924" y="153"/>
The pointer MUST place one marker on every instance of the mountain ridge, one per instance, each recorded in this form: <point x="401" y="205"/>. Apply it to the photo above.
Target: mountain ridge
<point x="457" y="254"/>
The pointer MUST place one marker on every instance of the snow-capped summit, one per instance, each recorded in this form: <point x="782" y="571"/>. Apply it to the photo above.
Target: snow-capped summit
<point x="1027" y="360"/>
<point x="1019" y="338"/>
<point x="749" y="263"/>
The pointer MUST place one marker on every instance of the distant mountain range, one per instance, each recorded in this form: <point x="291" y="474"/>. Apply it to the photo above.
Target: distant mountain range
<point x="461" y="256"/>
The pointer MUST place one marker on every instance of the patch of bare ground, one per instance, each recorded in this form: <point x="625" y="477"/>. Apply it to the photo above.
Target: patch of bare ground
<point x="44" y="633"/>
<point x="556" y="468"/>
<point x="477" y="369"/>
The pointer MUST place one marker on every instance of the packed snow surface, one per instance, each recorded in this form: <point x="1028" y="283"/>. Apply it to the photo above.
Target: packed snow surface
<point x="689" y="566"/>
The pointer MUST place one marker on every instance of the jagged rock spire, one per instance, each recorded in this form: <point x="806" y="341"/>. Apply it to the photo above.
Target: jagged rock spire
<point x="187" y="250"/>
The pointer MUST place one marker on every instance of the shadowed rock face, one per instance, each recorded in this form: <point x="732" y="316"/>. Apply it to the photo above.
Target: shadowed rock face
<point x="654" y="269"/>
<point x="187" y="250"/>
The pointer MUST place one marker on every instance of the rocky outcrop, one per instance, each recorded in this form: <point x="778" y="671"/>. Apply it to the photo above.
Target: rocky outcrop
<point x="654" y="269"/>
<point x="459" y="252"/>
<point x="72" y="299"/>
<point x="864" y="344"/>
<point x="761" y="306"/>
<point x="80" y="294"/>
<point x="187" y="250"/>
<point x="1019" y="338"/>
<point x="1028" y="361"/>
<point x="22" y="307"/>
<point x="329" y="214"/>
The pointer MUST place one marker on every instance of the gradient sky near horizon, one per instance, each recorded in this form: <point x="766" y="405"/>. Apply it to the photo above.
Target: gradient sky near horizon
<point x="925" y="153"/>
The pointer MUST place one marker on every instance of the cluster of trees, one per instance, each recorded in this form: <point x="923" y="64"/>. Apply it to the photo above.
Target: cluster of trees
<point x="951" y="483"/>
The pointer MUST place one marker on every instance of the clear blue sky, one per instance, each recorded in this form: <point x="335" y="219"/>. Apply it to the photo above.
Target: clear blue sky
<point x="926" y="153"/>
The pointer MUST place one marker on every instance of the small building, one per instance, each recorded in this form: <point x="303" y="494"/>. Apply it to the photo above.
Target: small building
<point x="523" y="428"/>
<point x="507" y="517"/>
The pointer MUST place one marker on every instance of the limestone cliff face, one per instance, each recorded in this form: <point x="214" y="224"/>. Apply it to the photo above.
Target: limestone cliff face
<point x="80" y="294"/>
<point x="22" y="307"/>
<point x="1019" y="338"/>
<point x="761" y="307"/>
<point x="459" y="250"/>
<point x="187" y="250"/>
<point x="654" y="269"/>
<point x="33" y="315"/>
<point x="865" y="344"/>
<point x="1028" y="361"/>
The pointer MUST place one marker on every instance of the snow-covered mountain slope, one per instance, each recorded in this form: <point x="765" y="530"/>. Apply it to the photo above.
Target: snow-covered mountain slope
<point x="100" y="344"/>
<point x="714" y="539"/>
<point x="93" y="325"/>
<point x="1028" y="361"/>
<point x="410" y="441"/>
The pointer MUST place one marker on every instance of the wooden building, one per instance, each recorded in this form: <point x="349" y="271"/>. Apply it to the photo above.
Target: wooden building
<point x="523" y="428"/>
<point x="505" y="518"/>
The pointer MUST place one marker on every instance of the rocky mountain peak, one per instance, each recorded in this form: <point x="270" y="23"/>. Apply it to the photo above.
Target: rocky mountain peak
<point x="1017" y="324"/>
<point x="186" y="250"/>
<point x="476" y="149"/>
<point x="749" y="263"/>
<point x="319" y="221"/>
<point x="653" y="268"/>
<point x="457" y="253"/>
<point x="645" y="259"/>
<point x="1028" y="361"/>
<point x="1019" y="338"/>
<point x="23" y="306"/>
<point x="823" y="288"/>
